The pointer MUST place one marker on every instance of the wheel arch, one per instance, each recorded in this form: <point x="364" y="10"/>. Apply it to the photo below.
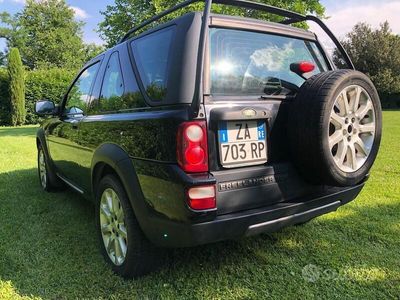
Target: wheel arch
<point x="105" y="160"/>
<point x="41" y="139"/>
<point x="42" y="142"/>
<point x="112" y="159"/>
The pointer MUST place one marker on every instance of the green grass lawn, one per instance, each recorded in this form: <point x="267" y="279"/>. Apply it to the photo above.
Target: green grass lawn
<point x="48" y="247"/>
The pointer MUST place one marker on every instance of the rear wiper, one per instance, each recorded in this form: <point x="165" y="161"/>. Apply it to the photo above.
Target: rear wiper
<point x="273" y="86"/>
<point x="276" y="88"/>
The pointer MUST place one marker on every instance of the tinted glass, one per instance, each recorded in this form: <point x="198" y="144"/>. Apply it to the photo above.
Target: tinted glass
<point x="114" y="96"/>
<point x="113" y="83"/>
<point x="151" y="55"/>
<point x="78" y="96"/>
<point x="247" y="63"/>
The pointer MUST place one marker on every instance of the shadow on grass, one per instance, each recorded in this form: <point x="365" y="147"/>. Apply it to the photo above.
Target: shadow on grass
<point x="49" y="249"/>
<point x="18" y="131"/>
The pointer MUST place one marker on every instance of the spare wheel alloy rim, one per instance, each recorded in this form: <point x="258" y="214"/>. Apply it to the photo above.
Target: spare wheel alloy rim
<point x="351" y="128"/>
<point x="112" y="226"/>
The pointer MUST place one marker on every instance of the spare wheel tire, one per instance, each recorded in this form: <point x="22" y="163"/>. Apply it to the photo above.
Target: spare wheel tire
<point x="334" y="128"/>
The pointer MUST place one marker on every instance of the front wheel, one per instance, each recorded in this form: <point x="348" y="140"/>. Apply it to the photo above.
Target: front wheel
<point x="122" y="242"/>
<point x="44" y="171"/>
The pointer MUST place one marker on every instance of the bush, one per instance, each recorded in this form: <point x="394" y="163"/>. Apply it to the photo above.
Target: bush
<point x="4" y="97"/>
<point x="50" y="84"/>
<point x="17" y="87"/>
<point x="390" y="101"/>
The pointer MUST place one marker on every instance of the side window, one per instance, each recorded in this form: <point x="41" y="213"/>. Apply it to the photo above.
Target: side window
<point x="114" y="96"/>
<point x="113" y="83"/>
<point x="78" y="96"/>
<point x="151" y="55"/>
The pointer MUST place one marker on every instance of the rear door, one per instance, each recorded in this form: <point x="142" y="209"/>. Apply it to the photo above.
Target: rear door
<point x="249" y="88"/>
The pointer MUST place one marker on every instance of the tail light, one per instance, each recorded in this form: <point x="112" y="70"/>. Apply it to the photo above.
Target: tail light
<point x="191" y="147"/>
<point x="201" y="197"/>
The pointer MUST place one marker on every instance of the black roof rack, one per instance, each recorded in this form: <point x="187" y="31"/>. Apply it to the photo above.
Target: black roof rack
<point x="239" y="3"/>
<point x="158" y="17"/>
<point x="291" y="18"/>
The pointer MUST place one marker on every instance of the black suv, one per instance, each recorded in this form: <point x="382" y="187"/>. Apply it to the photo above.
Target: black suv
<point x="210" y="127"/>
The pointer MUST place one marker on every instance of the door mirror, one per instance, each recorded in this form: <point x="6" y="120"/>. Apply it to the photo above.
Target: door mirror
<point x="45" y="108"/>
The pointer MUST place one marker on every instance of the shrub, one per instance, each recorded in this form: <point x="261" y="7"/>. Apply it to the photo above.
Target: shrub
<point x="16" y="87"/>
<point x="48" y="84"/>
<point x="4" y="98"/>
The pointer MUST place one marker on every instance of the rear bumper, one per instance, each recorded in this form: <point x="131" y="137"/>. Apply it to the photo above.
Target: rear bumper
<point x="167" y="233"/>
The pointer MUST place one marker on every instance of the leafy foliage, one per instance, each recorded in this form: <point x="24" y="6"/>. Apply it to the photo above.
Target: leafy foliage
<point x="376" y="53"/>
<point x="46" y="33"/>
<point x="4" y="97"/>
<point x="91" y="51"/>
<point x="125" y="14"/>
<point x="11" y="30"/>
<point x="2" y="58"/>
<point x="17" y="87"/>
<point x="50" y="84"/>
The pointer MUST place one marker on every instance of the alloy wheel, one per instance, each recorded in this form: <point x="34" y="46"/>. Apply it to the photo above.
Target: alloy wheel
<point x="42" y="169"/>
<point x="352" y="128"/>
<point x="113" y="228"/>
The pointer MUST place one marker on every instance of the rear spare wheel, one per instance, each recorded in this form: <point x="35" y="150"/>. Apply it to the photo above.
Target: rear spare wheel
<point x="335" y="126"/>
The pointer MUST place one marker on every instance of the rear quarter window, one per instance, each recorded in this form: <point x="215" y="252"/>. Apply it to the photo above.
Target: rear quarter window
<point x="118" y="92"/>
<point x="152" y="54"/>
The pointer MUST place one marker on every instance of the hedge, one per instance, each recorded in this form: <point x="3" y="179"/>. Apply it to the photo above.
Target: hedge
<point x="48" y="84"/>
<point x="4" y="97"/>
<point x="390" y="101"/>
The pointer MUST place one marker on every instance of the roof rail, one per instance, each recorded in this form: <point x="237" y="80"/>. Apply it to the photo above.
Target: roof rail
<point x="291" y="18"/>
<point x="238" y="3"/>
<point x="327" y="31"/>
<point x="158" y="17"/>
<point x="262" y="7"/>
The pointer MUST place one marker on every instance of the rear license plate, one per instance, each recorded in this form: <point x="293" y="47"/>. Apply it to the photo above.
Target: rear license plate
<point x="242" y="143"/>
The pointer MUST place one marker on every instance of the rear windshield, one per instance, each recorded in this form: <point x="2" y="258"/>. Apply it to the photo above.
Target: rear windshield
<point x="251" y="63"/>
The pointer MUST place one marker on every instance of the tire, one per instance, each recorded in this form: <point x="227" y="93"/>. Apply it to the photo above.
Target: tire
<point x="44" y="172"/>
<point x="330" y="142"/>
<point x="140" y="257"/>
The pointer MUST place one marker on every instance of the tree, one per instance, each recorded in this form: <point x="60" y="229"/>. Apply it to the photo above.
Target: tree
<point x="125" y="14"/>
<point x="4" y="97"/>
<point x="46" y="34"/>
<point x="11" y="30"/>
<point x="91" y="51"/>
<point x="2" y="59"/>
<point x="17" y="87"/>
<point x="376" y="53"/>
